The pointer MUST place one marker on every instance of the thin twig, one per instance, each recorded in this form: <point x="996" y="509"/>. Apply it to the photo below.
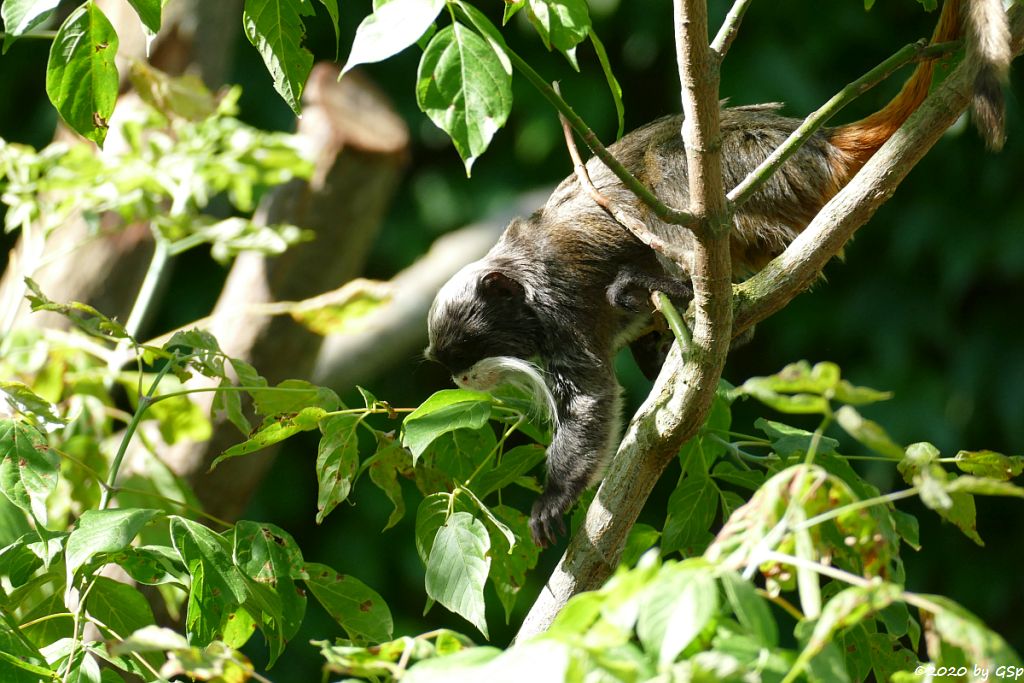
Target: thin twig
<point x="660" y="209"/>
<point x="913" y="52"/>
<point x="635" y="226"/>
<point x="730" y="27"/>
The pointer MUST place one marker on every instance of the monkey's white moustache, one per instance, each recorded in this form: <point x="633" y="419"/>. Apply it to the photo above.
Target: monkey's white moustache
<point x="528" y="377"/>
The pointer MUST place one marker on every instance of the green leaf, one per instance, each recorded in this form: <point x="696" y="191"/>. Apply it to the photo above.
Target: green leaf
<point x="337" y="461"/>
<point x="797" y="388"/>
<point x="149" y="13"/>
<point x="387" y="463"/>
<point x="152" y="565"/>
<point x="848" y="607"/>
<point x="613" y="83"/>
<point x="275" y="29"/>
<point x="751" y="609"/>
<point x="84" y="316"/>
<point x="790" y="441"/>
<point x="512" y="465"/>
<point x="269" y="556"/>
<point x="81" y="78"/>
<point x="28" y="468"/>
<point x="20" y="661"/>
<point x="642" y="537"/>
<point x="868" y="432"/>
<point x="980" y="645"/>
<point x="103" y="531"/>
<point x="359" y="609"/>
<point x="21" y="16"/>
<point x="691" y="511"/>
<point x="463" y="87"/>
<point x="562" y="24"/>
<point x="510" y="566"/>
<point x="292" y="395"/>
<point x="444" y="412"/>
<point x="488" y="31"/>
<point x="984" y="487"/>
<point x="26" y="401"/>
<point x="675" y="608"/>
<point x="274" y="431"/>
<point x="430" y="516"/>
<point x="990" y="464"/>
<point x="207" y="356"/>
<point x="218" y="587"/>
<point x="121" y="607"/>
<point x="458" y="566"/>
<point x="332" y="11"/>
<point x="391" y="28"/>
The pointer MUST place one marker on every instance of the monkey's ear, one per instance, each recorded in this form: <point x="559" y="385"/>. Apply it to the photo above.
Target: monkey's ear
<point x="497" y="283"/>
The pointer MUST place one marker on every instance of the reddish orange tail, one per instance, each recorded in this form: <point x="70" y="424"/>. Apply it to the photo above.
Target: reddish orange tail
<point x="861" y="139"/>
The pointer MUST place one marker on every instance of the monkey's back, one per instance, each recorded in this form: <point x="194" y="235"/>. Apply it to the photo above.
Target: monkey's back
<point x="764" y="225"/>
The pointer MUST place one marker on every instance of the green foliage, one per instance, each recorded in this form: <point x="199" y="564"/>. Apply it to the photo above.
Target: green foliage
<point x="176" y="160"/>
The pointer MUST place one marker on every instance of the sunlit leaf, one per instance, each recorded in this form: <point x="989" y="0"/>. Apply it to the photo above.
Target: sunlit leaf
<point x="392" y="27"/>
<point x="337" y="461"/>
<point x="103" y="531"/>
<point x="867" y="432"/>
<point x="390" y="461"/>
<point x="149" y="13"/>
<point x="21" y="16"/>
<point x="462" y="85"/>
<point x="81" y="79"/>
<point x="28" y="468"/>
<point x="444" y="412"/>
<point x="275" y="28"/>
<point x="119" y="606"/>
<point x="990" y="464"/>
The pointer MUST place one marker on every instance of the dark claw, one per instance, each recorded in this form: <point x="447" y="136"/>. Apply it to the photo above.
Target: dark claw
<point x="546" y="522"/>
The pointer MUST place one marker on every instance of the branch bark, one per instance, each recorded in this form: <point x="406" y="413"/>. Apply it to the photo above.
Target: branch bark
<point x="682" y="395"/>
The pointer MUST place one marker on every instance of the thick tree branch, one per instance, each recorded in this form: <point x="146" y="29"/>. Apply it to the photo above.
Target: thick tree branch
<point x="681" y="397"/>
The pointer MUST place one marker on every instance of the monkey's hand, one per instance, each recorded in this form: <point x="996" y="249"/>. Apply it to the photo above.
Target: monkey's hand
<point x="632" y="288"/>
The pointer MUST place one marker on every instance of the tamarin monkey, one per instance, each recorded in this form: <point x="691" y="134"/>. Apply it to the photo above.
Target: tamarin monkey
<point x="564" y="289"/>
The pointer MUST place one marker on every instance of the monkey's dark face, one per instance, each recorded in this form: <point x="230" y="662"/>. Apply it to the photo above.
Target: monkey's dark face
<point x="482" y="312"/>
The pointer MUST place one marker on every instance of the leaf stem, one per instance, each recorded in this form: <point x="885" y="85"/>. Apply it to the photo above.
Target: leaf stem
<point x="144" y="403"/>
<point x="660" y="209"/>
<point x="730" y="27"/>
<point x="857" y="505"/>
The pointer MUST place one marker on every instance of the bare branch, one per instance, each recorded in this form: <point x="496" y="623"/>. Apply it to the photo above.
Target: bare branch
<point x="730" y="27"/>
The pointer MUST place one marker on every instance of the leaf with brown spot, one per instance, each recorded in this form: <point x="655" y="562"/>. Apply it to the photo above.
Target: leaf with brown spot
<point x="359" y="609"/>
